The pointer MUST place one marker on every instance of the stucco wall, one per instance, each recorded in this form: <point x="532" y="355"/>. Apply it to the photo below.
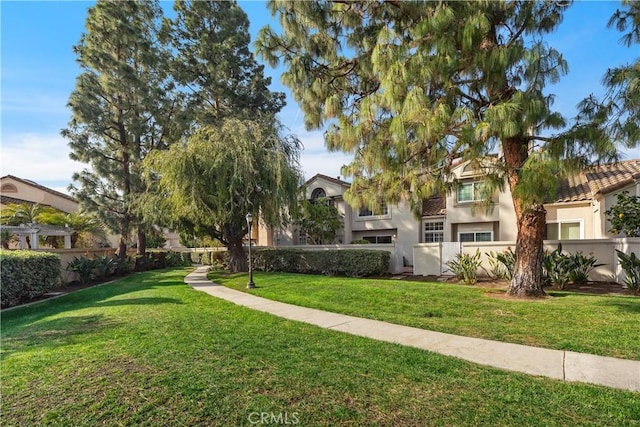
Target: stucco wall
<point x="427" y="256"/>
<point x="37" y="195"/>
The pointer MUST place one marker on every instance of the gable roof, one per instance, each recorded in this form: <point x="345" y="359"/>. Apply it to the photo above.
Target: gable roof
<point x="601" y="179"/>
<point x="40" y="187"/>
<point x="328" y="178"/>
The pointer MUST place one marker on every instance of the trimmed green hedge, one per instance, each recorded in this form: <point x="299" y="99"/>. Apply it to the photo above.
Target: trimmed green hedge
<point x="352" y="263"/>
<point x="27" y="274"/>
<point x="157" y="258"/>
<point x="211" y="257"/>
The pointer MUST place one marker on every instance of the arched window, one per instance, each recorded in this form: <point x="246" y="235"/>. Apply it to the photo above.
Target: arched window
<point x="318" y="193"/>
<point x="8" y="188"/>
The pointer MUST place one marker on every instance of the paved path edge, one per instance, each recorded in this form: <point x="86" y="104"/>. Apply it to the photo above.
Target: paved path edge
<point x="557" y="364"/>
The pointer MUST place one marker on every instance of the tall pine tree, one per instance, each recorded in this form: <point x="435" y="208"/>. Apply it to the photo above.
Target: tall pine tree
<point x="122" y="109"/>
<point x="410" y="88"/>
<point x="213" y="64"/>
<point x="234" y="158"/>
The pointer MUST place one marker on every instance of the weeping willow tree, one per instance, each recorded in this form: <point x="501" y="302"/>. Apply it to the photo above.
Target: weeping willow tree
<point x="413" y="88"/>
<point x="206" y="186"/>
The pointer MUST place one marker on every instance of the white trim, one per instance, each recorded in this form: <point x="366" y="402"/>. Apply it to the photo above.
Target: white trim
<point x="434" y="232"/>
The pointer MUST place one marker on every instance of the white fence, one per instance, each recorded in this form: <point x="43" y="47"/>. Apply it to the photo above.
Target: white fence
<point x="429" y="259"/>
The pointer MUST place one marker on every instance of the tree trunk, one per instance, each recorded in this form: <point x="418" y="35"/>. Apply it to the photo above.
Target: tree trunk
<point x="142" y="242"/>
<point x="237" y="259"/>
<point x="122" y="249"/>
<point x="527" y="278"/>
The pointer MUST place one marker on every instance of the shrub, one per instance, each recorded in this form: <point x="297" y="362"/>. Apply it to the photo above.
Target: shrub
<point x="502" y="264"/>
<point x="360" y="242"/>
<point x="178" y="259"/>
<point x="83" y="266"/>
<point x="124" y="266"/>
<point x="581" y="266"/>
<point x="465" y="267"/>
<point x="630" y="263"/>
<point x="557" y="268"/>
<point x="105" y="266"/>
<point x="219" y="259"/>
<point x="352" y="263"/>
<point x="27" y="274"/>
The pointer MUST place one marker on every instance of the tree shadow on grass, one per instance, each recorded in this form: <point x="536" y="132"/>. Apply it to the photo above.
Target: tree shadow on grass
<point x="138" y="301"/>
<point x="55" y="332"/>
<point x="632" y="305"/>
<point x="98" y="296"/>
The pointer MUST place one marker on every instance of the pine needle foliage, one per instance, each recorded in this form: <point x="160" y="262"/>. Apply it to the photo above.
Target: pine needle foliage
<point x="412" y="88"/>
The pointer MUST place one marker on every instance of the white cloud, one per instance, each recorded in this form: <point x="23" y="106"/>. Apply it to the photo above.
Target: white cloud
<point x="312" y="141"/>
<point x="38" y="157"/>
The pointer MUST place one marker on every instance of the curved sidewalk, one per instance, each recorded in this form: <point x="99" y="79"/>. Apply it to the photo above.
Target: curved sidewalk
<point x="557" y="364"/>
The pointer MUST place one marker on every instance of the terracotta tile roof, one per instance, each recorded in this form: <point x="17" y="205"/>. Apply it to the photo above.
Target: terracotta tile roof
<point x="41" y="187"/>
<point x="598" y="180"/>
<point x="434" y="206"/>
<point x="608" y="178"/>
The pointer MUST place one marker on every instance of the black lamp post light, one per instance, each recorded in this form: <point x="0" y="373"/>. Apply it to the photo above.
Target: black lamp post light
<point x="250" y="285"/>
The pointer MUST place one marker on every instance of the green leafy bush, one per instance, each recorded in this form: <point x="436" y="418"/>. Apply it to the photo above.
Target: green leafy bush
<point x="581" y="266"/>
<point x="105" y="266"/>
<point x="465" y="267"/>
<point x="157" y="259"/>
<point x="360" y="242"/>
<point x="84" y="267"/>
<point x="27" y="274"/>
<point x="219" y="259"/>
<point x="630" y="263"/>
<point x="502" y="264"/>
<point x="352" y="263"/>
<point x="557" y="268"/>
<point x="624" y="216"/>
<point x="178" y="259"/>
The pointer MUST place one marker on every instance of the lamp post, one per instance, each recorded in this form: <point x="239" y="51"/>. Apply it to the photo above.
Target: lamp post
<point x="250" y="284"/>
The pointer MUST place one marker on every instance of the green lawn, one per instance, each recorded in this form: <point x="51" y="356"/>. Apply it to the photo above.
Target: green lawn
<point x="604" y="325"/>
<point x="149" y="350"/>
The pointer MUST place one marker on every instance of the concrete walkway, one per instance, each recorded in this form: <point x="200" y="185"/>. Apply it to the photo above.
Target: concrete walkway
<point x="557" y="364"/>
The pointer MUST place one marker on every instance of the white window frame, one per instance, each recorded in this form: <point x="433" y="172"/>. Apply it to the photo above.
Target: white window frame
<point x="474" y="235"/>
<point x="432" y="232"/>
<point x="567" y="221"/>
<point x="475" y="193"/>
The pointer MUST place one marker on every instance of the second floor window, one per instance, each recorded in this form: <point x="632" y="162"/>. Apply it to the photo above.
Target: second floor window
<point x="382" y="209"/>
<point x="470" y="192"/>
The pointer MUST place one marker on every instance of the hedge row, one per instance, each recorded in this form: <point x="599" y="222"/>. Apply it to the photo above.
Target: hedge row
<point x="157" y="259"/>
<point x="216" y="258"/>
<point x="352" y="263"/>
<point x="26" y="275"/>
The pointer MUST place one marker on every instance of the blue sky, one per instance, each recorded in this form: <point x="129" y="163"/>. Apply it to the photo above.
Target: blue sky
<point x="38" y="72"/>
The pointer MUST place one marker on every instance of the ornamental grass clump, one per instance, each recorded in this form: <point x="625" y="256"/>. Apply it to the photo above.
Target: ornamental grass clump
<point x="465" y="267"/>
<point x="630" y="263"/>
